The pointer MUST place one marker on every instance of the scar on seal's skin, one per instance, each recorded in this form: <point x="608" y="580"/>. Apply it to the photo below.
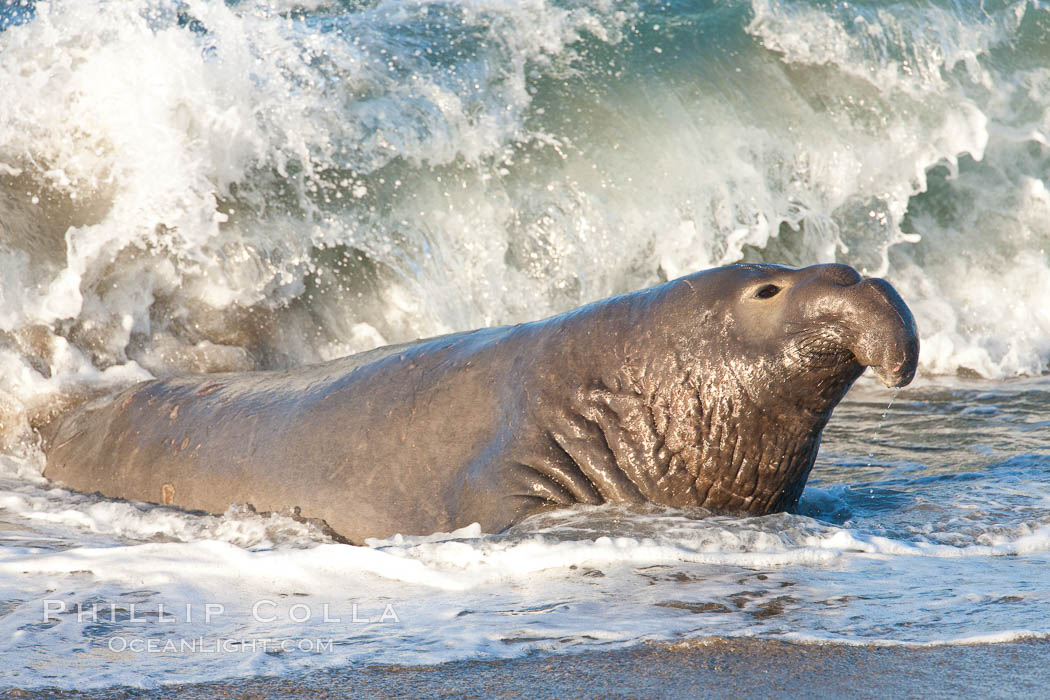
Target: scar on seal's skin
<point x="167" y="494"/>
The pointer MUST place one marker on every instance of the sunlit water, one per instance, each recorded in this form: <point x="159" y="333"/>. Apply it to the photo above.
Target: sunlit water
<point x="928" y="526"/>
<point x="205" y="186"/>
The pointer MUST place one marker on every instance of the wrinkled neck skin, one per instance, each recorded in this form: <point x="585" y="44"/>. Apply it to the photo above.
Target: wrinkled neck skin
<point x="758" y="427"/>
<point x="701" y="424"/>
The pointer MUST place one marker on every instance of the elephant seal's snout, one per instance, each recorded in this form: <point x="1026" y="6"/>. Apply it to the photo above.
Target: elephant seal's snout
<point x="886" y="338"/>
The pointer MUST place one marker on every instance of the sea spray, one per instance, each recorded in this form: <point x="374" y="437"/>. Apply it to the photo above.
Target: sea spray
<point x="206" y="186"/>
<point x="203" y="186"/>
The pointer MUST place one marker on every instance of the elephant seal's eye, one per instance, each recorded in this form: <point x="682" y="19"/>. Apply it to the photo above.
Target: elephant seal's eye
<point x="767" y="292"/>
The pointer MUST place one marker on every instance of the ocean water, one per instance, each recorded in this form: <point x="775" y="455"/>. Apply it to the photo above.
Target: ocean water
<point x="204" y="186"/>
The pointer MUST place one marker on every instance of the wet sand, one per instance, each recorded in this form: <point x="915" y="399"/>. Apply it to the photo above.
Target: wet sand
<point x="733" y="669"/>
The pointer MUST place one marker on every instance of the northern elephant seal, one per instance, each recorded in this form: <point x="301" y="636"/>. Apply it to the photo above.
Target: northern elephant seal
<point x="708" y="390"/>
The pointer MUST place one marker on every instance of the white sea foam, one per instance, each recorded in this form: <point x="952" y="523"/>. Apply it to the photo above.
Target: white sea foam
<point x="178" y="217"/>
<point x="474" y="594"/>
<point x="997" y="638"/>
<point x="910" y="565"/>
<point x="203" y="186"/>
<point x="143" y="522"/>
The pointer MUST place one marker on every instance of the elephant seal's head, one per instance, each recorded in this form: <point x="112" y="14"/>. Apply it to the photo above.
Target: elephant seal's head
<point x="822" y="325"/>
<point x="777" y="350"/>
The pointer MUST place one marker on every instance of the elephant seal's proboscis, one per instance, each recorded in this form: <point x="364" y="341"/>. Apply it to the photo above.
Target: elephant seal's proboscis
<point x="710" y="390"/>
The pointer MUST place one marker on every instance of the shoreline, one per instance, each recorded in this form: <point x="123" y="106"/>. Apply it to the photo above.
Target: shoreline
<point x="706" y="668"/>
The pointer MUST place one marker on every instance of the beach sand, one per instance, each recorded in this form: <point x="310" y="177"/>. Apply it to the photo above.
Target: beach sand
<point x="720" y="668"/>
